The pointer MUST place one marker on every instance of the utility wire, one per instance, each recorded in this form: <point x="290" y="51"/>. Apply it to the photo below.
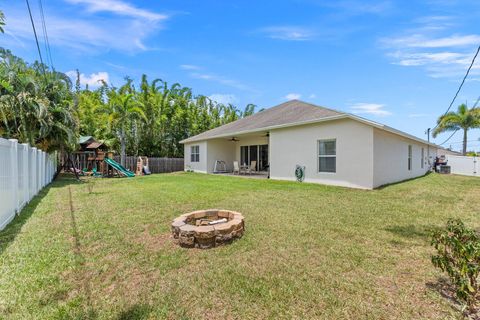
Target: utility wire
<point x="36" y="39"/>
<point x="45" y="35"/>
<point x="449" y="137"/>
<point x="461" y="85"/>
<point x="456" y="142"/>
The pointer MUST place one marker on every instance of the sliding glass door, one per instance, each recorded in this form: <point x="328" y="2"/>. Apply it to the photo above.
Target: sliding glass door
<point x="263" y="157"/>
<point x="258" y="153"/>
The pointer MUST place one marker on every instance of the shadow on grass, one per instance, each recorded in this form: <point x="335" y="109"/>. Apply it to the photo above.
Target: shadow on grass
<point x="402" y="181"/>
<point x="8" y="235"/>
<point x="137" y="311"/>
<point x="411" y="231"/>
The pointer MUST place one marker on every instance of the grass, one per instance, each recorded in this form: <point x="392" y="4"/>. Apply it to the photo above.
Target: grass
<point x="102" y="250"/>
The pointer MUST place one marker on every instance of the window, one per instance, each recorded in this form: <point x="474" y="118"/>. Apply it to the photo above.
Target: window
<point x="195" y="154"/>
<point x="327" y="156"/>
<point x="423" y="158"/>
<point x="409" y="157"/>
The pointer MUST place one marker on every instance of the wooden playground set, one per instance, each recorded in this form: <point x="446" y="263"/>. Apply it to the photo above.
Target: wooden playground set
<point x="94" y="159"/>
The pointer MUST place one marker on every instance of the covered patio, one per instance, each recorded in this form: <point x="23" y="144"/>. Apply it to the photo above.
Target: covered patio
<point x="240" y="154"/>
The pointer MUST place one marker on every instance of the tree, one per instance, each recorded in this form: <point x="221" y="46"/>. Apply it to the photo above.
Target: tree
<point x="122" y="110"/>
<point x="464" y="119"/>
<point x="36" y="107"/>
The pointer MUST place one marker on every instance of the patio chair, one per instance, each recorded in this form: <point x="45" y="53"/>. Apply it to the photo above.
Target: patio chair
<point x="251" y="168"/>
<point x="236" y="167"/>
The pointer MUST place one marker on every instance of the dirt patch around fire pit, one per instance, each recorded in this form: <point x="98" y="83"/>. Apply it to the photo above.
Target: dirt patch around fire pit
<point x="208" y="228"/>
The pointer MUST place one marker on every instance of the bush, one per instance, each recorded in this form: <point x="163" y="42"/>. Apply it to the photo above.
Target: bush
<point x="458" y="254"/>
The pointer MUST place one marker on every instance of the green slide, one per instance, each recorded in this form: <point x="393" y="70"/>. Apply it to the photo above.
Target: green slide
<point x="117" y="166"/>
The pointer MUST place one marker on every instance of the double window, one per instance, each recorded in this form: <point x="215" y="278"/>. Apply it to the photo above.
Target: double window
<point x="195" y="154"/>
<point x="327" y="156"/>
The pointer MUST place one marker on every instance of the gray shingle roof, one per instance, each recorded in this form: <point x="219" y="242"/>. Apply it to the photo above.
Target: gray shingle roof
<point x="290" y="112"/>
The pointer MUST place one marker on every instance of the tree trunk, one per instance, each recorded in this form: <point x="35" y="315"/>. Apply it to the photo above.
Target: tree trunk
<point x="122" y="147"/>
<point x="464" y="141"/>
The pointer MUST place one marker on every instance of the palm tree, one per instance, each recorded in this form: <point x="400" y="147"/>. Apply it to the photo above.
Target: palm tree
<point x="464" y="119"/>
<point x="123" y="109"/>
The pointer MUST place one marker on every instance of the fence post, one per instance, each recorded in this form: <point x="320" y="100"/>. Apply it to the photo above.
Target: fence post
<point x="14" y="173"/>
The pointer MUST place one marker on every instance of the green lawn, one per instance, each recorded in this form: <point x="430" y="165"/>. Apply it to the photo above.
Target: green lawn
<point x="309" y="251"/>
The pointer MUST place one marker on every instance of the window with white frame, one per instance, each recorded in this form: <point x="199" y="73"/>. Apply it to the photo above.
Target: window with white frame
<point x="327" y="156"/>
<point x="409" y="157"/>
<point x="195" y="154"/>
<point x="423" y="158"/>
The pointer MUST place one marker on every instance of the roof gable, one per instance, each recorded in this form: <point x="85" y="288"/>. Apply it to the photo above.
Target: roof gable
<point x="289" y="112"/>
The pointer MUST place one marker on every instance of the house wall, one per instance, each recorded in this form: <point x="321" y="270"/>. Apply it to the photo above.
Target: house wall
<point x="391" y="158"/>
<point x="220" y="149"/>
<point x="299" y="146"/>
<point x="200" y="166"/>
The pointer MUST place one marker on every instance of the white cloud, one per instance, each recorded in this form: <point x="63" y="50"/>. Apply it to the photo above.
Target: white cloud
<point x="289" y="33"/>
<point x="425" y="58"/>
<point x="422" y="41"/>
<point x="293" y="96"/>
<point x="86" y="33"/>
<point x="120" y="8"/>
<point x="431" y="45"/>
<point x="93" y="80"/>
<point x="312" y="96"/>
<point x="224" y="98"/>
<point x="189" y="67"/>
<point x="370" y="108"/>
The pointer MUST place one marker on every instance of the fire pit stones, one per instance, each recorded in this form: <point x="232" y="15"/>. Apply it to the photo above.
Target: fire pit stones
<point x="208" y="228"/>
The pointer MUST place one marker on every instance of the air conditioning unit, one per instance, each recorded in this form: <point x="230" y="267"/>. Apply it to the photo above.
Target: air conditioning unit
<point x="445" y="169"/>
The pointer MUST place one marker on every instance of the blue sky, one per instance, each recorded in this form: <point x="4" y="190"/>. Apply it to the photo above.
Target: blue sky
<point x="395" y="62"/>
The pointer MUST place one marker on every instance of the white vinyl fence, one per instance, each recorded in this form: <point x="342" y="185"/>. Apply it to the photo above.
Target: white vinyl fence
<point x="463" y="165"/>
<point x="24" y="171"/>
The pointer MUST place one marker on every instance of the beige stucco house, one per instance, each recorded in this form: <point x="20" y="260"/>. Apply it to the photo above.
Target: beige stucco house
<point x="335" y="148"/>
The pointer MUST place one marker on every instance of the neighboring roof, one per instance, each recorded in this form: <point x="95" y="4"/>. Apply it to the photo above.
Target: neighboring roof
<point x="289" y="114"/>
<point x="448" y="151"/>
<point x="84" y="139"/>
<point x="95" y="145"/>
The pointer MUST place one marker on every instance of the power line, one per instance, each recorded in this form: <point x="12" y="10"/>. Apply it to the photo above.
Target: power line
<point x="449" y="137"/>
<point x="45" y="34"/>
<point x="461" y="85"/>
<point x="454" y="142"/>
<point x="36" y="39"/>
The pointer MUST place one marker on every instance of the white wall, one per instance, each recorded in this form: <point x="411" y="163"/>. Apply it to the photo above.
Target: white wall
<point x="24" y="171"/>
<point x="299" y="146"/>
<point x="463" y="165"/>
<point x="200" y="166"/>
<point x="220" y="149"/>
<point x="391" y="158"/>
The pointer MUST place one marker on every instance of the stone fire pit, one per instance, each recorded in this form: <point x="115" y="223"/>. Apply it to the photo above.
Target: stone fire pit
<point x="207" y="228"/>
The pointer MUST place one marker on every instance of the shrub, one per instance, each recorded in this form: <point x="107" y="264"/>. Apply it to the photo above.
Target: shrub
<point x="458" y="254"/>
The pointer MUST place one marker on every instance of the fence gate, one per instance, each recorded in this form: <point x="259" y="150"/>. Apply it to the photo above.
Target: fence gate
<point x="464" y="165"/>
